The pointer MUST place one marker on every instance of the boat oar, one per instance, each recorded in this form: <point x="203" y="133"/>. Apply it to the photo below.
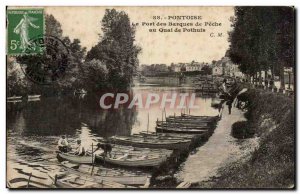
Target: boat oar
<point x="93" y="160"/>
<point x="148" y="124"/>
<point x="29" y="180"/>
<point x="55" y="179"/>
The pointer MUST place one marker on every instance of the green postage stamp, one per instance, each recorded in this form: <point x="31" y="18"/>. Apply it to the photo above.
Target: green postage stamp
<point x="23" y="25"/>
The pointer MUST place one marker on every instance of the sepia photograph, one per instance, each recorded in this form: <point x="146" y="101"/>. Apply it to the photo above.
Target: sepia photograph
<point x="152" y="97"/>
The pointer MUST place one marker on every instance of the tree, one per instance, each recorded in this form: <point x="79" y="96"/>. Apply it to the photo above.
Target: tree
<point x="262" y="39"/>
<point x="93" y="77"/>
<point x="15" y="78"/>
<point x="285" y="36"/>
<point x="69" y="80"/>
<point x="117" y="49"/>
<point x="53" y="27"/>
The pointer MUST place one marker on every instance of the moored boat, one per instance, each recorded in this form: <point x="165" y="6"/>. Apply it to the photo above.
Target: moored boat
<point x="68" y="181"/>
<point x="134" y="160"/>
<point x="151" y="143"/>
<point x="183" y="126"/>
<point x="192" y="117"/>
<point x="135" y="157"/>
<point x="109" y="174"/>
<point x="186" y="116"/>
<point x="33" y="96"/>
<point x="180" y="130"/>
<point x="173" y="135"/>
<point x="178" y="123"/>
<point x="76" y="159"/>
<point x="14" y="98"/>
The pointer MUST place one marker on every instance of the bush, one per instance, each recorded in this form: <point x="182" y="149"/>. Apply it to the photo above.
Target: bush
<point x="242" y="130"/>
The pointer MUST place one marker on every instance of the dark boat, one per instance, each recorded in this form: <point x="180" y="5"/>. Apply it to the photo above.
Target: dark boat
<point x="183" y="126"/>
<point x="145" y="142"/>
<point x="180" y="130"/>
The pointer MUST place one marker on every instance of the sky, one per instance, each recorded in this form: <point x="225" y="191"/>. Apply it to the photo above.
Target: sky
<point x="84" y="23"/>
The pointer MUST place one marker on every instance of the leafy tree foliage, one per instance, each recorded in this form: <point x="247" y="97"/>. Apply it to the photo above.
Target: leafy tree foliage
<point x="16" y="81"/>
<point x="69" y="81"/>
<point x="263" y="39"/>
<point x="116" y="49"/>
<point x="93" y="76"/>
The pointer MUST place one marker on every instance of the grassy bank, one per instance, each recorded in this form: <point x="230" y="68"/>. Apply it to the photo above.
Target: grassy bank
<point x="271" y="165"/>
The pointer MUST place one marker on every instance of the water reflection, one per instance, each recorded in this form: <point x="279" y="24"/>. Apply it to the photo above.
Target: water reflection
<point x="33" y="128"/>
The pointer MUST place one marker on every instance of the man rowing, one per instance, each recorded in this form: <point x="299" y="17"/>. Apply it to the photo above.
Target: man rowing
<point x="106" y="147"/>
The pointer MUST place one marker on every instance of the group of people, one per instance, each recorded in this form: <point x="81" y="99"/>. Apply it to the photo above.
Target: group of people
<point x="80" y="150"/>
<point x="228" y="98"/>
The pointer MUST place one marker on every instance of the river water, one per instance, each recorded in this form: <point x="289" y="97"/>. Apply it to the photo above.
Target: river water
<point x="33" y="128"/>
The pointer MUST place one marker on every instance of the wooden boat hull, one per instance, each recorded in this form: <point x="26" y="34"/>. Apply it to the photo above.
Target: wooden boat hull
<point x="151" y="162"/>
<point x="14" y="98"/>
<point x="190" y="122"/>
<point x="186" y="116"/>
<point x="175" y="123"/>
<point x="76" y="159"/>
<point x="177" y="130"/>
<point x="175" y="135"/>
<point x="122" y="179"/>
<point x="69" y="181"/>
<point x="173" y="145"/>
<point x="182" y="126"/>
<point x="33" y="96"/>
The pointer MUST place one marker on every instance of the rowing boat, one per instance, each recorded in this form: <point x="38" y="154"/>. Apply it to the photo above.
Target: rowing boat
<point x="34" y="96"/>
<point x="133" y="160"/>
<point x="151" y="143"/>
<point x="68" y="181"/>
<point x="176" y="122"/>
<point x="195" y="116"/>
<point x="117" y="149"/>
<point x="135" y="157"/>
<point x="108" y="174"/>
<point x="158" y="137"/>
<point x="14" y="98"/>
<point x="173" y="135"/>
<point x="76" y="159"/>
<point x="179" y="130"/>
<point x="183" y="126"/>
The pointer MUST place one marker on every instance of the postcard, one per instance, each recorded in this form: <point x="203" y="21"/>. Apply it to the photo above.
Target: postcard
<point x="150" y="97"/>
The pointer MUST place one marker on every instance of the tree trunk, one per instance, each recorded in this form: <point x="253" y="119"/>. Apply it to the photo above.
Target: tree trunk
<point x="260" y="78"/>
<point x="272" y="77"/>
<point x="282" y="83"/>
<point x="266" y="79"/>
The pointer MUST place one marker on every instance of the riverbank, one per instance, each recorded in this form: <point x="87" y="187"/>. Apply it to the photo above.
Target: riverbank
<point x="220" y="149"/>
<point x="271" y="163"/>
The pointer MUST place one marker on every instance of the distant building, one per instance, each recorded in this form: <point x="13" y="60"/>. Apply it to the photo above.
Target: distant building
<point x="178" y="67"/>
<point x="194" y="66"/>
<point x="217" y="70"/>
<point x="226" y="67"/>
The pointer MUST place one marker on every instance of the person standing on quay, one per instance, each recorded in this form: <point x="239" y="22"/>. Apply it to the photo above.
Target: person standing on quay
<point x="229" y="103"/>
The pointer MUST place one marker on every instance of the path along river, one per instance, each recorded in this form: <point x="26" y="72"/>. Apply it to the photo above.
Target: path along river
<point x="219" y="150"/>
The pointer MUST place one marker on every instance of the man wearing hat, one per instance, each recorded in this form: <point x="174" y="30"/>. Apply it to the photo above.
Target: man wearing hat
<point x="63" y="144"/>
